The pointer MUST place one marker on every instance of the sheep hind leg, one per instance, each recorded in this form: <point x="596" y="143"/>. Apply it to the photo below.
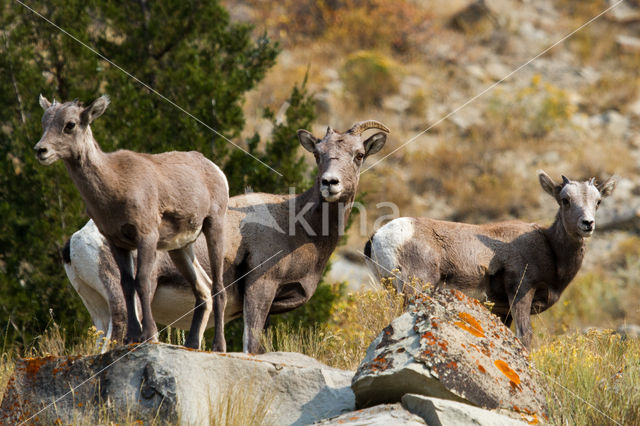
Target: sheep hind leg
<point x="188" y="265"/>
<point x="124" y="260"/>
<point x="213" y="230"/>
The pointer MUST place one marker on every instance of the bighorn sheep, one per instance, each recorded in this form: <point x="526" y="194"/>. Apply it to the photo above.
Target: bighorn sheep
<point x="520" y="267"/>
<point x="300" y="230"/>
<point x="144" y="202"/>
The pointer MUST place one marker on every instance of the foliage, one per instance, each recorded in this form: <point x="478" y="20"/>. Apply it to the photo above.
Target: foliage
<point x="280" y="152"/>
<point x="534" y="110"/>
<point x="369" y="76"/>
<point x="189" y="52"/>
<point x="591" y="378"/>
<point x="348" y="24"/>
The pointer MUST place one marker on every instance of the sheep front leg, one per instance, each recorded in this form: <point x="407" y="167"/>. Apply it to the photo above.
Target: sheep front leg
<point x="144" y="284"/>
<point x="258" y="299"/>
<point x="213" y="230"/>
<point x="520" y="303"/>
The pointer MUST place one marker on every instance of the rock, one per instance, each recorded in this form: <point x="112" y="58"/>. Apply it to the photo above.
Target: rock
<point x="624" y="12"/>
<point x="628" y="43"/>
<point x="449" y="346"/>
<point x="176" y="384"/>
<point x="497" y="71"/>
<point x="435" y="411"/>
<point x="475" y="19"/>
<point x="466" y="117"/>
<point x="396" y="103"/>
<point x="629" y="331"/>
<point x="380" y="415"/>
<point x="634" y="107"/>
<point x="614" y="122"/>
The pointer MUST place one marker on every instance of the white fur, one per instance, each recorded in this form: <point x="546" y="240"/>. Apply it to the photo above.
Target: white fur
<point x="170" y="303"/>
<point x="385" y="245"/>
<point x="180" y="240"/>
<point x="86" y="248"/>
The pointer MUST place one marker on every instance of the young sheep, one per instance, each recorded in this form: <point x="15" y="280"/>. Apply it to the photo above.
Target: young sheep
<point x="146" y="203"/>
<point x="520" y="267"/>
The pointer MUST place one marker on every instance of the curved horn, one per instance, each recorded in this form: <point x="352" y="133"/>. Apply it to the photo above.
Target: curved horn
<point x="360" y="127"/>
<point x="565" y="180"/>
<point x="592" y="181"/>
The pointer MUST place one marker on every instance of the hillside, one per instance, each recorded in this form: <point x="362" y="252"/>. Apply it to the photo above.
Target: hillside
<point x="478" y="95"/>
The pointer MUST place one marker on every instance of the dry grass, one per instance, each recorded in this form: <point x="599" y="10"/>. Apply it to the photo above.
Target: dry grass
<point x="355" y="322"/>
<point x="591" y="378"/>
<point x="239" y="407"/>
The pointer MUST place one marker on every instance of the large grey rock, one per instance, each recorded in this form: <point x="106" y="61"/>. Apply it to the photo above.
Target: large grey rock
<point x="176" y="385"/>
<point x="436" y="411"/>
<point x="624" y="12"/>
<point x="380" y="415"/>
<point x="449" y="346"/>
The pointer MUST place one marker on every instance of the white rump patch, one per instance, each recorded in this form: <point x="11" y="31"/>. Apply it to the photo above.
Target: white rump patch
<point x="87" y="247"/>
<point x="386" y="243"/>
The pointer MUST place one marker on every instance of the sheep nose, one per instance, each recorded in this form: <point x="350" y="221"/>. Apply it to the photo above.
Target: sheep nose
<point x="588" y="224"/>
<point x="330" y="180"/>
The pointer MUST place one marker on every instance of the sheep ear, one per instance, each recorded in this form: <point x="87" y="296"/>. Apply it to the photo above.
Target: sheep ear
<point x="547" y="183"/>
<point x="606" y="188"/>
<point x="374" y="143"/>
<point x="94" y="110"/>
<point x="44" y="102"/>
<point x="307" y="140"/>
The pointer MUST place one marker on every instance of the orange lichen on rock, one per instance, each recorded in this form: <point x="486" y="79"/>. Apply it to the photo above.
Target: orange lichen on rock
<point x="429" y="337"/>
<point x="380" y="363"/>
<point x="482" y="369"/>
<point x="507" y="371"/>
<point x="470" y="324"/>
<point x="33" y="365"/>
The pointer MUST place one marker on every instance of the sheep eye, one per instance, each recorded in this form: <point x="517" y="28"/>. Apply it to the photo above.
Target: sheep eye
<point x="598" y="203"/>
<point x="359" y="156"/>
<point x="565" y="202"/>
<point x="69" y="126"/>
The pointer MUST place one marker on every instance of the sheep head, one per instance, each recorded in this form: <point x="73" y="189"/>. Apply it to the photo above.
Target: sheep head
<point x="340" y="156"/>
<point x="66" y="132"/>
<point x="578" y="202"/>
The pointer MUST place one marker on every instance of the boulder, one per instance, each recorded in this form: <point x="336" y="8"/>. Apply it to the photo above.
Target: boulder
<point x="629" y="331"/>
<point x="177" y="385"/>
<point x="449" y="346"/>
<point x="380" y="415"/>
<point x="624" y="12"/>
<point x="436" y="411"/>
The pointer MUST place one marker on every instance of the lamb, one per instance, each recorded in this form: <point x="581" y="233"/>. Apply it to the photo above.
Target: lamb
<point x="146" y="203"/>
<point x="520" y="267"/>
<point x="276" y="246"/>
